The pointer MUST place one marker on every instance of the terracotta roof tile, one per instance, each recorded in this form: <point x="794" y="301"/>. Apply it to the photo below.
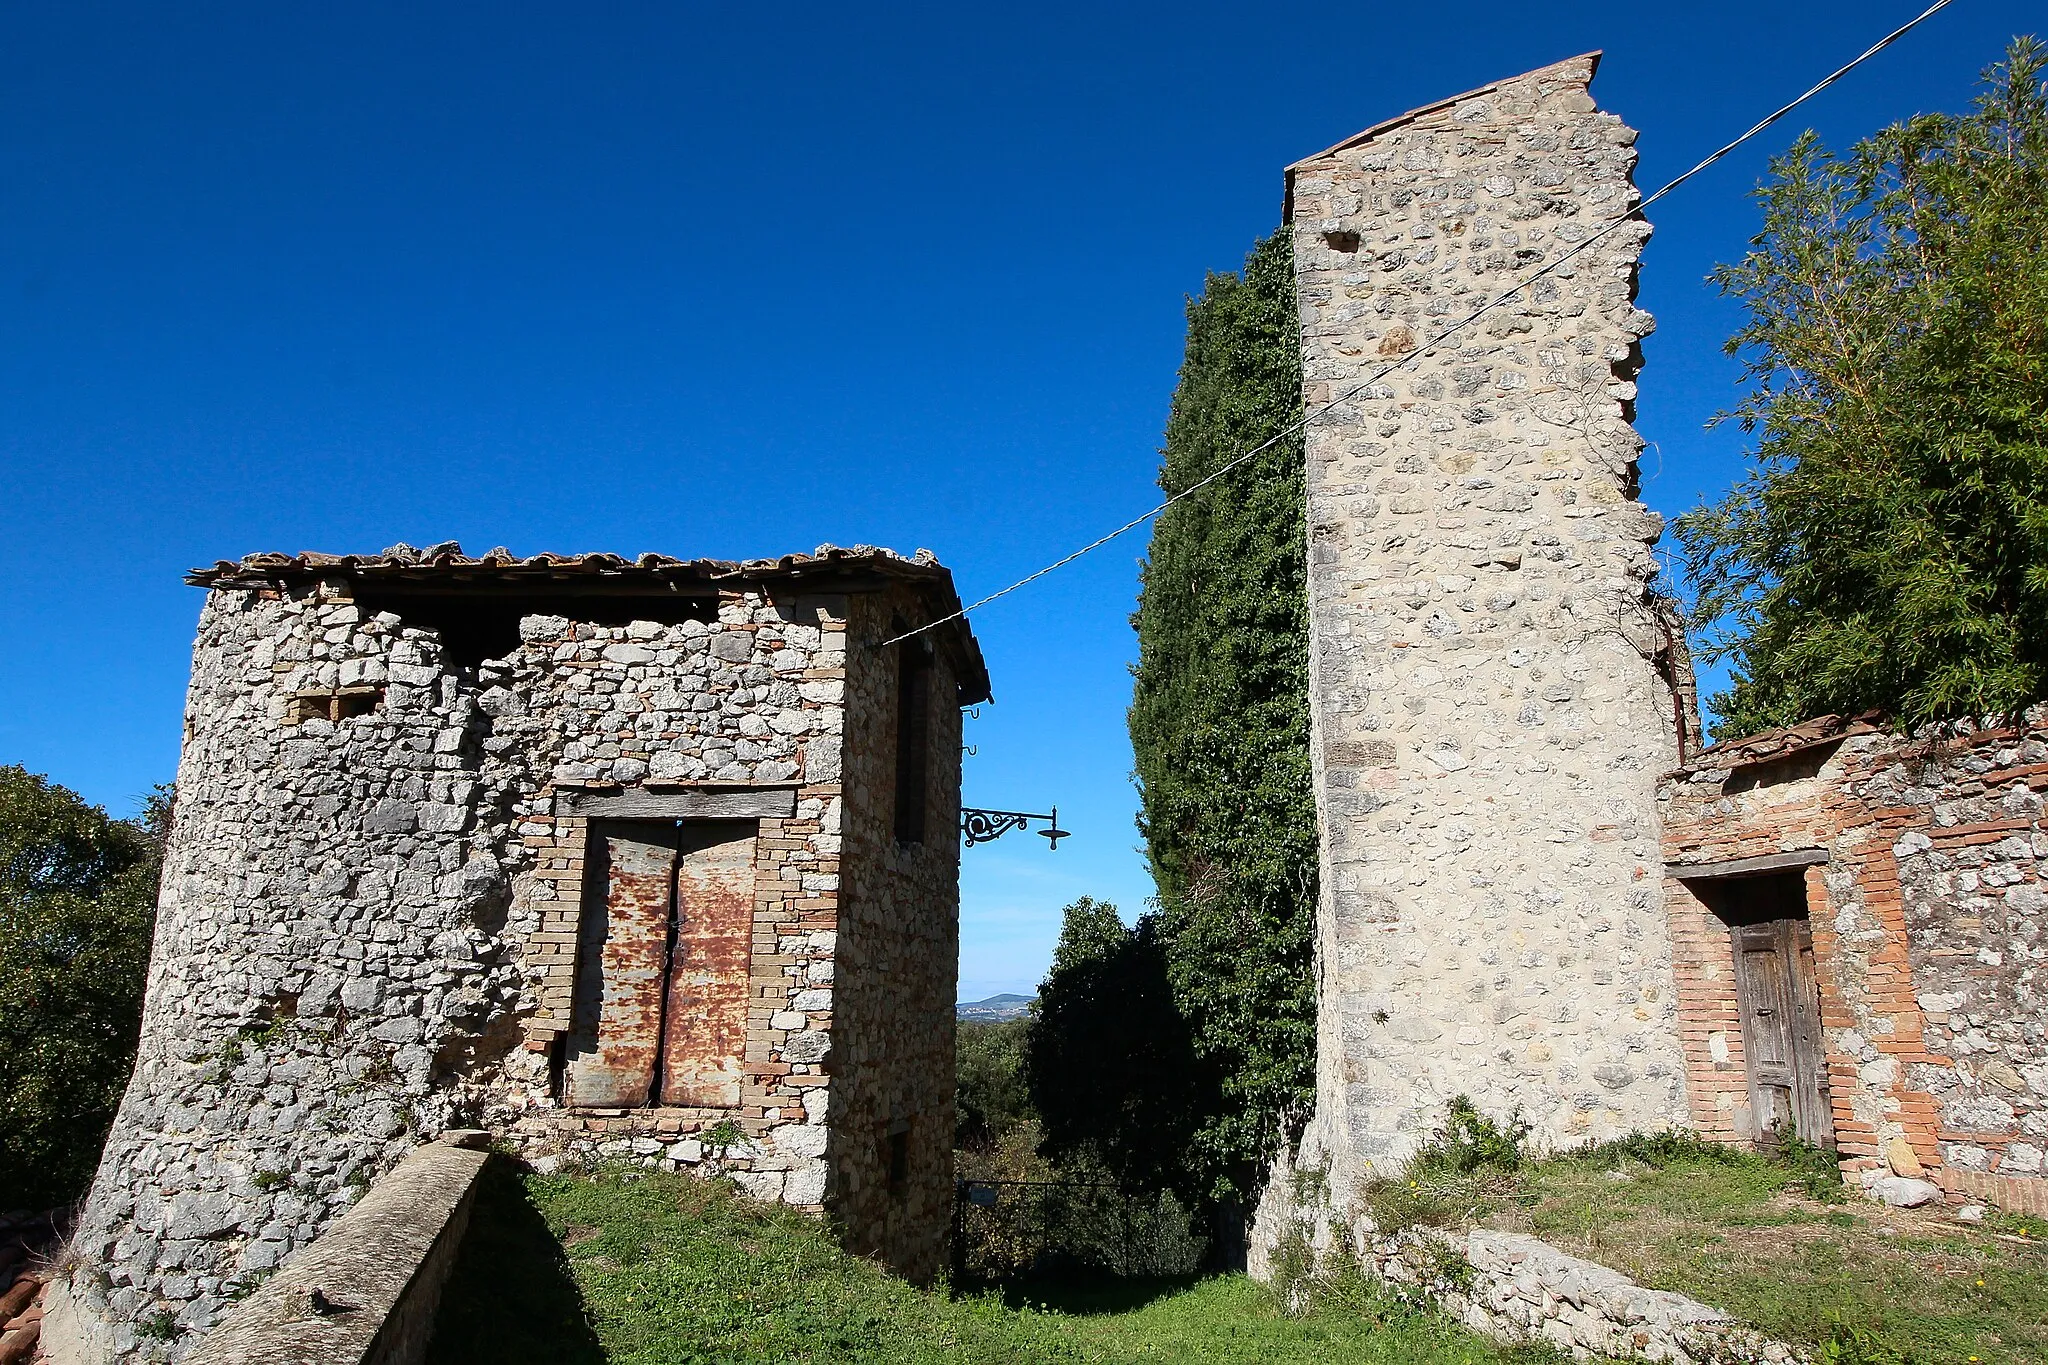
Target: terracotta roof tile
<point x="1784" y="741"/>
<point x="403" y="563"/>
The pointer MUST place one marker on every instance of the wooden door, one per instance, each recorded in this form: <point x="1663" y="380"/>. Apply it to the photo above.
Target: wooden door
<point x="1778" y="994"/>
<point x="659" y="1015"/>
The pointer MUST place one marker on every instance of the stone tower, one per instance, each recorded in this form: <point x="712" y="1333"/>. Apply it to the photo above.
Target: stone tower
<point x="1493" y="694"/>
<point x="648" y="860"/>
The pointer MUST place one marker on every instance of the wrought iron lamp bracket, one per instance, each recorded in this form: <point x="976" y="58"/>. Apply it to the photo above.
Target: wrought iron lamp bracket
<point x="979" y="826"/>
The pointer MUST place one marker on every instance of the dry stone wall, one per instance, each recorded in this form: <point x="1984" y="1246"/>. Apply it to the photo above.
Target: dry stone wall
<point x="1519" y="1289"/>
<point x="1490" y="705"/>
<point x="369" y="921"/>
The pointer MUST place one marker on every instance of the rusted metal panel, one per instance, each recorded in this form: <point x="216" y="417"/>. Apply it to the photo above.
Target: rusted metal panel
<point x="626" y="937"/>
<point x="705" y="1037"/>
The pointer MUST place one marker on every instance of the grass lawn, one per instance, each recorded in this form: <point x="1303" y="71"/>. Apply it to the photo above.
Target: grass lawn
<point x="654" y="1269"/>
<point x="1739" y="1231"/>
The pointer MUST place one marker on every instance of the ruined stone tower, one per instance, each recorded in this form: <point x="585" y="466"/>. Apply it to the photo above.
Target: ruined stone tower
<point x="1492" y="694"/>
<point x="648" y="860"/>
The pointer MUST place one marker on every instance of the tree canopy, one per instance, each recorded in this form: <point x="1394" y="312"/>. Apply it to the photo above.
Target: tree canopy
<point x="1219" y="722"/>
<point x="1889" y="549"/>
<point x="1107" y="1059"/>
<point x="77" y="909"/>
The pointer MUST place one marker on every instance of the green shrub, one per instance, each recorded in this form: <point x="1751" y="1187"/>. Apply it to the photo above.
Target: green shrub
<point x="1468" y="1164"/>
<point x="1848" y="1343"/>
<point x="1467" y="1142"/>
<point x="77" y="910"/>
<point x="1819" y="1168"/>
<point x="1667" y="1147"/>
<point x="1049" y="1220"/>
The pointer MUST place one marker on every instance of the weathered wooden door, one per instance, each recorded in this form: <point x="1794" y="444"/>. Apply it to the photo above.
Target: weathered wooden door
<point x="660" y="1004"/>
<point x="1778" y="994"/>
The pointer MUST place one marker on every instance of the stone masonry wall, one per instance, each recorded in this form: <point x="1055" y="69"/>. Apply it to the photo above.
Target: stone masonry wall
<point x="761" y="698"/>
<point x="324" y="932"/>
<point x="1929" y="945"/>
<point x="1489" y="716"/>
<point x="367" y="925"/>
<point x="899" y="953"/>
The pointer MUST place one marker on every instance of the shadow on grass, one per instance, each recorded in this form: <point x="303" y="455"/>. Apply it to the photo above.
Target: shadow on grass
<point x="1079" y="1294"/>
<point x="510" y="1298"/>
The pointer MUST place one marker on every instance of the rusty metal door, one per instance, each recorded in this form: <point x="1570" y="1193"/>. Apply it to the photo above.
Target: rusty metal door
<point x="704" y="1038"/>
<point x="659" y="1014"/>
<point x="1778" y="995"/>
<point x="630" y="875"/>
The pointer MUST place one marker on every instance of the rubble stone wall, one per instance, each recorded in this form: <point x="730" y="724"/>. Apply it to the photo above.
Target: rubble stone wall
<point x="899" y="950"/>
<point x="1929" y="944"/>
<point x="368" y="924"/>
<point x="1489" y="697"/>
<point x="758" y="694"/>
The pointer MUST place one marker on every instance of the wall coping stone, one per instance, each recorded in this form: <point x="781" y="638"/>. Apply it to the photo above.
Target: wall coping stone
<point x="382" y="1263"/>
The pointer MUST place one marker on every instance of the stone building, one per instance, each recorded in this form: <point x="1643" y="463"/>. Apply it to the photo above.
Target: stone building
<point x="1537" y="889"/>
<point x="1858" y="928"/>
<point x="1495" y="689"/>
<point x="651" y="859"/>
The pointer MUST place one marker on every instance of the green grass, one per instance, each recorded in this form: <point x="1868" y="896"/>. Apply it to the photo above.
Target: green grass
<point x="675" y="1270"/>
<point x="1745" y="1233"/>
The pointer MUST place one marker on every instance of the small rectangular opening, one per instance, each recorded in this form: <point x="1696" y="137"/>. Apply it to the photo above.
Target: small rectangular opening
<point x="476" y="625"/>
<point x="349" y="705"/>
<point x="913" y="737"/>
<point x="899" y="1158"/>
<point x="334" y="706"/>
<point x="1793" y="767"/>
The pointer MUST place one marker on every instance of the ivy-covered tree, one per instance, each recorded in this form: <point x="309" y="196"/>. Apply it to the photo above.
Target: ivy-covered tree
<point x="1219" y="723"/>
<point x="77" y="910"/>
<point x="1889" y="549"/>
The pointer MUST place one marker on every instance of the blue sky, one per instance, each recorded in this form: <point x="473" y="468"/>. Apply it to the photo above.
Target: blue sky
<point x="737" y="281"/>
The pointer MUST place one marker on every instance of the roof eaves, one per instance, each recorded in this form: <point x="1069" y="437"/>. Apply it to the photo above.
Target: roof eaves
<point x="868" y="566"/>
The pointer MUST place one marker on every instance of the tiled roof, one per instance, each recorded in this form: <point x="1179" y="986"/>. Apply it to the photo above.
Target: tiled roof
<point x="1785" y="741"/>
<point x="403" y="561"/>
<point x="446" y="563"/>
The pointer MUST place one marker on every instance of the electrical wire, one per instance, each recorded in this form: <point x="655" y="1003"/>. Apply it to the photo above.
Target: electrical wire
<point x="1429" y="346"/>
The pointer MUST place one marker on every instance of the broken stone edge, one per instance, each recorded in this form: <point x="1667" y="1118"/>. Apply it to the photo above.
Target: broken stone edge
<point x="1520" y="1288"/>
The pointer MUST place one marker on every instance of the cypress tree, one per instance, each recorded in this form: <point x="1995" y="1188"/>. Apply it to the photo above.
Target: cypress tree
<point x="1219" y="723"/>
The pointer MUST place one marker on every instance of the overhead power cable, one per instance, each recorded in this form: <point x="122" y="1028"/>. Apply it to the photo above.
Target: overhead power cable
<point x="1429" y="346"/>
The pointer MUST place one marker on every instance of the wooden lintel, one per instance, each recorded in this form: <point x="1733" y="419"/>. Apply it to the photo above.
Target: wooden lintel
<point x="1748" y="867"/>
<point x="734" y="803"/>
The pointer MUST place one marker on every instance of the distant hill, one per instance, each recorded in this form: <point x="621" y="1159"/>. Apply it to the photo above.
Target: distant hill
<point x="996" y="1008"/>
